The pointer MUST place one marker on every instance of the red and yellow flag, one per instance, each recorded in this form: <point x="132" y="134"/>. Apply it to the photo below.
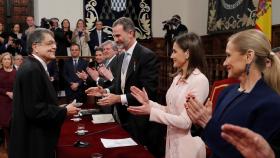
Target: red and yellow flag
<point x="264" y="16"/>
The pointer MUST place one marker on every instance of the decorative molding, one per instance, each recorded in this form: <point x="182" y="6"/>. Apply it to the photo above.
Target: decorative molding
<point x="138" y="10"/>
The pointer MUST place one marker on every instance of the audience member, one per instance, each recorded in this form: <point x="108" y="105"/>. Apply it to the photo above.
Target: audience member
<point x="250" y="60"/>
<point x="13" y="45"/>
<point x="36" y="118"/>
<point x="93" y="67"/>
<point x="3" y="35"/>
<point x="2" y="32"/>
<point x="30" y="28"/>
<point x="18" y="60"/>
<point x="61" y="49"/>
<point x="74" y="85"/>
<point x="142" y="72"/>
<point x="16" y="30"/>
<point x="189" y="58"/>
<point x="247" y="142"/>
<point x="81" y="37"/>
<point x="65" y="25"/>
<point x="108" y="71"/>
<point x="97" y="37"/>
<point x="7" y="77"/>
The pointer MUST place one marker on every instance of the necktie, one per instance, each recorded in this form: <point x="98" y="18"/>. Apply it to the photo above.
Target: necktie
<point x="99" y="37"/>
<point x="126" y="60"/>
<point x="75" y="65"/>
<point x="125" y="63"/>
<point x="106" y="63"/>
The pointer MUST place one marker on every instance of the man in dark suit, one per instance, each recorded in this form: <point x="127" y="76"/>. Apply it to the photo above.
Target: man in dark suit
<point x="59" y="38"/>
<point x="36" y="118"/>
<point x="74" y="87"/>
<point x="139" y="68"/>
<point x="179" y="27"/>
<point x="110" y="53"/>
<point x="18" y="61"/>
<point x="97" y="37"/>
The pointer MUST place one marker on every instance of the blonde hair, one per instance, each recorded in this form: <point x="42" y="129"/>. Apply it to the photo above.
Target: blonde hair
<point x="255" y="40"/>
<point x="3" y="55"/>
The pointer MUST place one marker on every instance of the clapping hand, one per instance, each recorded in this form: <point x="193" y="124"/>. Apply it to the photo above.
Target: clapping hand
<point x="249" y="143"/>
<point x="95" y="91"/>
<point x="109" y="99"/>
<point x="198" y="113"/>
<point x="143" y="98"/>
<point x="93" y="73"/>
<point x="82" y="75"/>
<point x="106" y="73"/>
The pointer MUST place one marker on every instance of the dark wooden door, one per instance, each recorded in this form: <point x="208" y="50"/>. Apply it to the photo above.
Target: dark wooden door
<point x="15" y="11"/>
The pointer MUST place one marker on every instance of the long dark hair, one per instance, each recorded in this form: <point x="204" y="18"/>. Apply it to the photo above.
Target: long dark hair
<point x="191" y="42"/>
<point x="63" y="22"/>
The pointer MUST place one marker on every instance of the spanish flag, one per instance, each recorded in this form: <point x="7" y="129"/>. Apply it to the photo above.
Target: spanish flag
<point x="263" y="21"/>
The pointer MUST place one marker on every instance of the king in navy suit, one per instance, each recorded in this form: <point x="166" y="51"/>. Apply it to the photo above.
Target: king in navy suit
<point x="138" y="66"/>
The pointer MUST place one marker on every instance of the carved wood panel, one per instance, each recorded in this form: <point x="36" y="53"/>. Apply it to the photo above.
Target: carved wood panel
<point x="15" y="11"/>
<point x="2" y="11"/>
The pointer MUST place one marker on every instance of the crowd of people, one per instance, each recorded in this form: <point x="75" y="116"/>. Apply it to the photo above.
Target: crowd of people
<point x="124" y="76"/>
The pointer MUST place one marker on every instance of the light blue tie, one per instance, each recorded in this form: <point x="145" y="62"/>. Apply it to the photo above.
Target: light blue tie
<point x="99" y="37"/>
<point x="125" y="63"/>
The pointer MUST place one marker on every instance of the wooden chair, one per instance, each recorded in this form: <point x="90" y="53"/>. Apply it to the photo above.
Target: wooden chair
<point x="218" y="87"/>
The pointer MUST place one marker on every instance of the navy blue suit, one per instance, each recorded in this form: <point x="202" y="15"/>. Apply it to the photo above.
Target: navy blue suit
<point x="70" y="76"/>
<point x="258" y="110"/>
<point x="142" y="71"/>
<point x="94" y="40"/>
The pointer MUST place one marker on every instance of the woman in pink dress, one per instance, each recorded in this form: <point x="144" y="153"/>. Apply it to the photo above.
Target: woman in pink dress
<point x="188" y="57"/>
<point x="7" y="77"/>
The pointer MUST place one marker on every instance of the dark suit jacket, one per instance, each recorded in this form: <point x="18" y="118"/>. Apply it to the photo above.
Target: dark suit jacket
<point x="36" y="118"/>
<point x="112" y="66"/>
<point x="94" y="40"/>
<point x="70" y="76"/>
<point x="257" y="110"/>
<point x="143" y="71"/>
<point x="53" y="72"/>
<point x="60" y="39"/>
<point x="179" y="30"/>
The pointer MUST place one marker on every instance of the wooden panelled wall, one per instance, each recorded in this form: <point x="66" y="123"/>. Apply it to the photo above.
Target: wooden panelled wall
<point x="214" y="46"/>
<point x="15" y="11"/>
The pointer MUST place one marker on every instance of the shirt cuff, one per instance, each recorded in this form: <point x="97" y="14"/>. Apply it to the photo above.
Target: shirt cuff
<point x="107" y="90"/>
<point x="124" y="100"/>
<point x="112" y="79"/>
<point x="97" y="80"/>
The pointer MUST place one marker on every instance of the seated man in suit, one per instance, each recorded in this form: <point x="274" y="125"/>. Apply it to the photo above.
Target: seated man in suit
<point x="18" y="60"/>
<point x="97" y="37"/>
<point x="108" y="71"/>
<point x="91" y="76"/>
<point x="12" y="45"/>
<point x="74" y="85"/>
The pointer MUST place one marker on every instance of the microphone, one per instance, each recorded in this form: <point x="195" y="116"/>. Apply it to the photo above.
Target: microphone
<point x="80" y="144"/>
<point x="86" y="112"/>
